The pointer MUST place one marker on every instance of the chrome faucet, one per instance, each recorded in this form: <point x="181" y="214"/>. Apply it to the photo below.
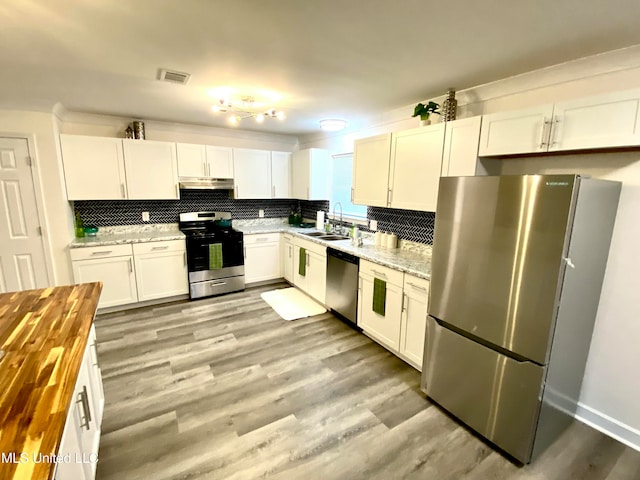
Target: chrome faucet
<point x="337" y="228"/>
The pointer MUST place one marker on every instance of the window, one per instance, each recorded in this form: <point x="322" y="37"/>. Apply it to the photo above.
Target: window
<point x="341" y="180"/>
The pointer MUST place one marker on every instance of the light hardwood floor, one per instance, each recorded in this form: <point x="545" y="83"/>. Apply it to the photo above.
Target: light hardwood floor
<point x="222" y="388"/>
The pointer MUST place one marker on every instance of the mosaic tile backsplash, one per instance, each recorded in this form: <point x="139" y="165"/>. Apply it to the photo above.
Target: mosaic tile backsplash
<point x="102" y="213"/>
<point x="407" y="224"/>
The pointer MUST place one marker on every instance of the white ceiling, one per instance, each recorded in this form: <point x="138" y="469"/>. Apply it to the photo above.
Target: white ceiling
<point x="333" y="58"/>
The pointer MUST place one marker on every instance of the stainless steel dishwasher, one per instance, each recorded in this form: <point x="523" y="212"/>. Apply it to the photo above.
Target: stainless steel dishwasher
<point x="342" y="284"/>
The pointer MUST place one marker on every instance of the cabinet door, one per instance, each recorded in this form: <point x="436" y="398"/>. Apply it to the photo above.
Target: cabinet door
<point x="116" y="275"/>
<point x="461" y="140"/>
<point x="152" y="170"/>
<point x="611" y="120"/>
<point x="162" y="274"/>
<point x="371" y="159"/>
<point x="521" y="131"/>
<point x="384" y="329"/>
<point x="280" y="174"/>
<point x="93" y="167"/>
<point x="300" y="174"/>
<point x="287" y="255"/>
<point x="414" y="319"/>
<point x="252" y="173"/>
<point x="317" y="276"/>
<point x="416" y="161"/>
<point x="262" y="261"/>
<point x="219" y="162"/>
<point x="192" y="160"/>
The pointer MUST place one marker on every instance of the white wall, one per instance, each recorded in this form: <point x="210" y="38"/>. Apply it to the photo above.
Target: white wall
<point x="611" y="389"/>
<point x="41" y="127"/>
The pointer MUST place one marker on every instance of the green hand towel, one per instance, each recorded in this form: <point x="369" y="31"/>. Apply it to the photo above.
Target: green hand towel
<point x="215" y="256"/>
<point x="379" y="296"/>
<point x="302" y="262"/>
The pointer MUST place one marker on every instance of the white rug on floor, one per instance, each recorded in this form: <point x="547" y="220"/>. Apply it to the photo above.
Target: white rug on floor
<point x="291" y="303"/>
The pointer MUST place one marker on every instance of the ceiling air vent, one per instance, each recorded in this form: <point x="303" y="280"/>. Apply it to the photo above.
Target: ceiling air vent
<point x="174" y="77"/>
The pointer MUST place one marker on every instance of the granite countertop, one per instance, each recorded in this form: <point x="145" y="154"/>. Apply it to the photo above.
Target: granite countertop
<point x="44" y="334"/>
<point x="130" y="234"/>
<point x="416" y="263"/>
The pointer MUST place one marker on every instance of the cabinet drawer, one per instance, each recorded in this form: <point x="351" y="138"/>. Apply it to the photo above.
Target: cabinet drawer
<point x="85" y="253"/>
<point x="311" y="246"/>
<point x="415" y="285"/>
<point x="261" y="238"/>
<point x="387" y="274"/>
<point x="159" y="247"/>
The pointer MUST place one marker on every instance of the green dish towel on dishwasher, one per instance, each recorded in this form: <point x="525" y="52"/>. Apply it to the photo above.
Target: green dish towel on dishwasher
<point x="215" y="256"/>
<point x="379" y="296"/>
<point x="302" y="262"/>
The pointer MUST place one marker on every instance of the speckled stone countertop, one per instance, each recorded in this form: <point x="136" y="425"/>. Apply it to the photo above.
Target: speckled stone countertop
<point x="130" y="234"/>
<point x="411" y="258"/>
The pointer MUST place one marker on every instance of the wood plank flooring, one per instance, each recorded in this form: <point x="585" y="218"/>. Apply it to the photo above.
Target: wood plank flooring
<point x="222" y="388"/>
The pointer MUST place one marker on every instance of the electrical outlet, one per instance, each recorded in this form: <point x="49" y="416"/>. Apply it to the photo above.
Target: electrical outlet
<point x="145" y="216"/>
<point x="261" y="213"/>
<point x="373" y="225"/>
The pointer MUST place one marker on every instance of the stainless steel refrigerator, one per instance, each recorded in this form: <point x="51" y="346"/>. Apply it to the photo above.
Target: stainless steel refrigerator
<point x="517" y="270"/>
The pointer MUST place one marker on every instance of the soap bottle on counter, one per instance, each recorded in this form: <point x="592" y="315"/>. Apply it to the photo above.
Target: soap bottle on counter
<point x="79" y="226"/>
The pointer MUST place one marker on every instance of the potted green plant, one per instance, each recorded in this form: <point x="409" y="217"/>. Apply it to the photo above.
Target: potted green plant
<point x="424" y="111"/>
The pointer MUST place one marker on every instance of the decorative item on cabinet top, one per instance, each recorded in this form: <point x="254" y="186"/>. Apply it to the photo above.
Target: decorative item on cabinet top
<point x="423" y="111"/>
<point x="449" y="106"/>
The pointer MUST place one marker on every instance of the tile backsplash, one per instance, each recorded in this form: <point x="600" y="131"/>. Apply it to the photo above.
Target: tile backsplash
<point x="407" y="224"/>
<point x="103" y="213"/>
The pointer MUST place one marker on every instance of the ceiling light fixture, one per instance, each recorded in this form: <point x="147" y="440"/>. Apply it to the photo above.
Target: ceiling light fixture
<point x="246" y="109"/>
<point x="333" y="124"/>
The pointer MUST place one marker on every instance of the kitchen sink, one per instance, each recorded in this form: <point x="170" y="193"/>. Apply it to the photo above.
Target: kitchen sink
<point x="315" y="234"/>
<point x="332" y="238"/>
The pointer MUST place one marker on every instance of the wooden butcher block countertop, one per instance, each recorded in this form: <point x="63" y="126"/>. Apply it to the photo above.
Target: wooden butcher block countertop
<point x="43" y="334"/>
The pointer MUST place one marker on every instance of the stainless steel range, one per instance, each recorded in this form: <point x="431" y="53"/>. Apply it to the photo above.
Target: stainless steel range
<point x="215" y="253"/>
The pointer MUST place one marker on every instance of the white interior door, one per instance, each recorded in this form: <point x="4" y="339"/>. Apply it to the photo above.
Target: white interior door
<point x="22" y="260"/>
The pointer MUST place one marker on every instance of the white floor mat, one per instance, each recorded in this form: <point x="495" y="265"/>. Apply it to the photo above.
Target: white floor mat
<point x="291" y="303"/>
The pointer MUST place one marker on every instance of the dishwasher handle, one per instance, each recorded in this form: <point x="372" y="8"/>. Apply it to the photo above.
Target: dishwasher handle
<point x="347" y="257"/>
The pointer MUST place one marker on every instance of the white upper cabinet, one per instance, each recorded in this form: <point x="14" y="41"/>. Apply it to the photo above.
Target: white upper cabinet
<point x="604" y="121"/>
<point x="611" y="120"/>
<point x="192" y="160"/>
<point x="461" y="140"/>
<point x="416" y="160"/>
<point x="521" y="131"/>
<point x="280" y="174"/>
<point x="252" y="173"/>
<point x="152" y="170"/>
<point x="219" y="162"/>
<point x="310" y="174"/>
<point x="93" y="167"/>
<point x="371" y="159"/>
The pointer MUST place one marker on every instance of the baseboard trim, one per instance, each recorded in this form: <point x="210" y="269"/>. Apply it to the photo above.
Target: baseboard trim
<point x="609" y="426"/>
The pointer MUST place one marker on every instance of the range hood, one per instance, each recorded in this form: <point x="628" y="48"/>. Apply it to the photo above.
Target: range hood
<point x="206" y="183"/>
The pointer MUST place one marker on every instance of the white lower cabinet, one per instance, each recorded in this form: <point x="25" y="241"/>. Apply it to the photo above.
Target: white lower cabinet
<point x="385" y="329"/>
<point x="314" y="280"/>
<point x="81" y="436"/>
<point x="413" y="326"/>
<point x="286" y="252"/>
<point x="262" y="257"/>
<point x="133" y="273"/>
<point x="161" y="269"/>
<point x="402" y="328"/>
<point x="113" y="266"/>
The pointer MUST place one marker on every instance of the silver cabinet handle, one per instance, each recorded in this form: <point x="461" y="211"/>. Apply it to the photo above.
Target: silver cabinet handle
<point x="204" y="167"/>
<point x="262" y="239"/>
<point x="84" y="401"/>
<point x="290" y="251"/>
<point x="130" y="265"/>
<point x="380" y="274"/>
<point x="244" y="251"/>
<point x="417" y="287"/>
<point x="95" y="354"/>
<point x="124" y="195"/>
<point x="351" y="194"/>
<point x="389" y="196"/>
<point x="177" y="190"/>
<point x="545" y="133"/>
<point x="160" y="248"/>
<point x="184" y="255"/>
<point x="553" y="132"/>
<point x="273" y="191"/>
<point x="102" y="252"/>
<point x="405" y="300"/>
<point x="236" y="190"/>
<point x="306" y="259"/>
